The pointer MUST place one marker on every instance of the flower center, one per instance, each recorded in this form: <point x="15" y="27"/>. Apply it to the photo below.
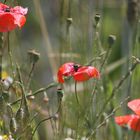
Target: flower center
<point x="7" y="9"/>
<point x="76" y="67"/>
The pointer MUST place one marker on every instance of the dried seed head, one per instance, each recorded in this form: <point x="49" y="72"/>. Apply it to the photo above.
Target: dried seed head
<point x="13" y="125"/>
<point x="31" y="97"/>
<point x="55" y="117"/>
<point x="46" y="99"/>
<point x="111" y="39"/>
<point x="34" y="56"/>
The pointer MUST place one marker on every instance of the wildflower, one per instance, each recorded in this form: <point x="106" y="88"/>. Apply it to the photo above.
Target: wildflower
<point x="132" y="120"/>
<point x="78" y="72"/>
<point x="10" y="18"/>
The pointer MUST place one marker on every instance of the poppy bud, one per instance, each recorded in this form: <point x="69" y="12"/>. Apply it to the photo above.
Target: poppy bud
<point x="69" y="21"/>
<point x="31" y="97"/>
<point x="45" y="99"/>
<point x="34" y="56"/>
<point x="13" y="125"/>
<point x="111" y="39"/>
<point x="55" y="117"/>
<point x="97" y="18"/>
<point x="22" y="117"/>
<point x="60" y="93"/>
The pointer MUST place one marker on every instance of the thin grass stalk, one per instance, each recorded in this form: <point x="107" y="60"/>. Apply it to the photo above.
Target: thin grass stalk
<point x="44" y="30"/>
<point x="117" y="87"/>
<point x="30" y="76"/>
<point x="109" y="116"/>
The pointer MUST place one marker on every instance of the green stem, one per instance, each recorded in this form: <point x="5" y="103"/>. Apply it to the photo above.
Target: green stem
<point x="76" y="95"/>
<point x="10" y="54"/>
<point x="36" y="92"/>
<point x="117" y="87"/>
<point x="30" y="76"/>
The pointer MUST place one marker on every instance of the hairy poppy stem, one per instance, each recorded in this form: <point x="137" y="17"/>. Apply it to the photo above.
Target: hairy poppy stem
<point x="10" y="54"/>
<point x="30" y="75"/>
<point x="76" y="95"/>
<point x="37" y="92"/>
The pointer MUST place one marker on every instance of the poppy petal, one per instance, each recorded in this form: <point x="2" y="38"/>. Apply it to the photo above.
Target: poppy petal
<point x="20" y="20"/>
<point x="123" y="120"/>
<point x="7" y="22"/>
<point x="19" y="10"/>
<point x="134" y="123"/>
<point x="3" y="6"/>
<point x="66" y="69"/>
<point x="135" y="106"/>
<point x="85" y="73"/>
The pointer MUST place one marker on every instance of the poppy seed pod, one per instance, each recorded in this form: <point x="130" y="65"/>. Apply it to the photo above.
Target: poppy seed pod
<point x="97" y="18"/>
<point x="34" y="56"/>
<point x="69" y="21"/>
<point x="60" y="93"/>
<point x="111" y="39"/>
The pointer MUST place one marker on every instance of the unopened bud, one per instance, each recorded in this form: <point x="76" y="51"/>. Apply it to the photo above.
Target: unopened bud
<point x="31" y="97"/>
<point x="97" y="18"/>
<point x="111" y="39"/>
<point x="46" y="99"/>
<point x="69" y="21"/>
<point x="60" y="93"/>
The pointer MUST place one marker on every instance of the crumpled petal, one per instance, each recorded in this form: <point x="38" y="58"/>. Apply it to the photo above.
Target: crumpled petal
<point x="135" y="106"/>
<point x="20" y="20"/>
<point x="66" y="69"/>
<point x="85" y="73"/>
<point x="19" y="10"/>
<point x="134" y="123"/>
<point x="3" y="6"/>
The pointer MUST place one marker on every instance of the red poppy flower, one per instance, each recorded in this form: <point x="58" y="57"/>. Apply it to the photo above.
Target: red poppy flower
<point x="78" y="72"/>
<point x="85" y="73"/>
<point x="10" y="18"/>
<point x="133" y="121"/>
